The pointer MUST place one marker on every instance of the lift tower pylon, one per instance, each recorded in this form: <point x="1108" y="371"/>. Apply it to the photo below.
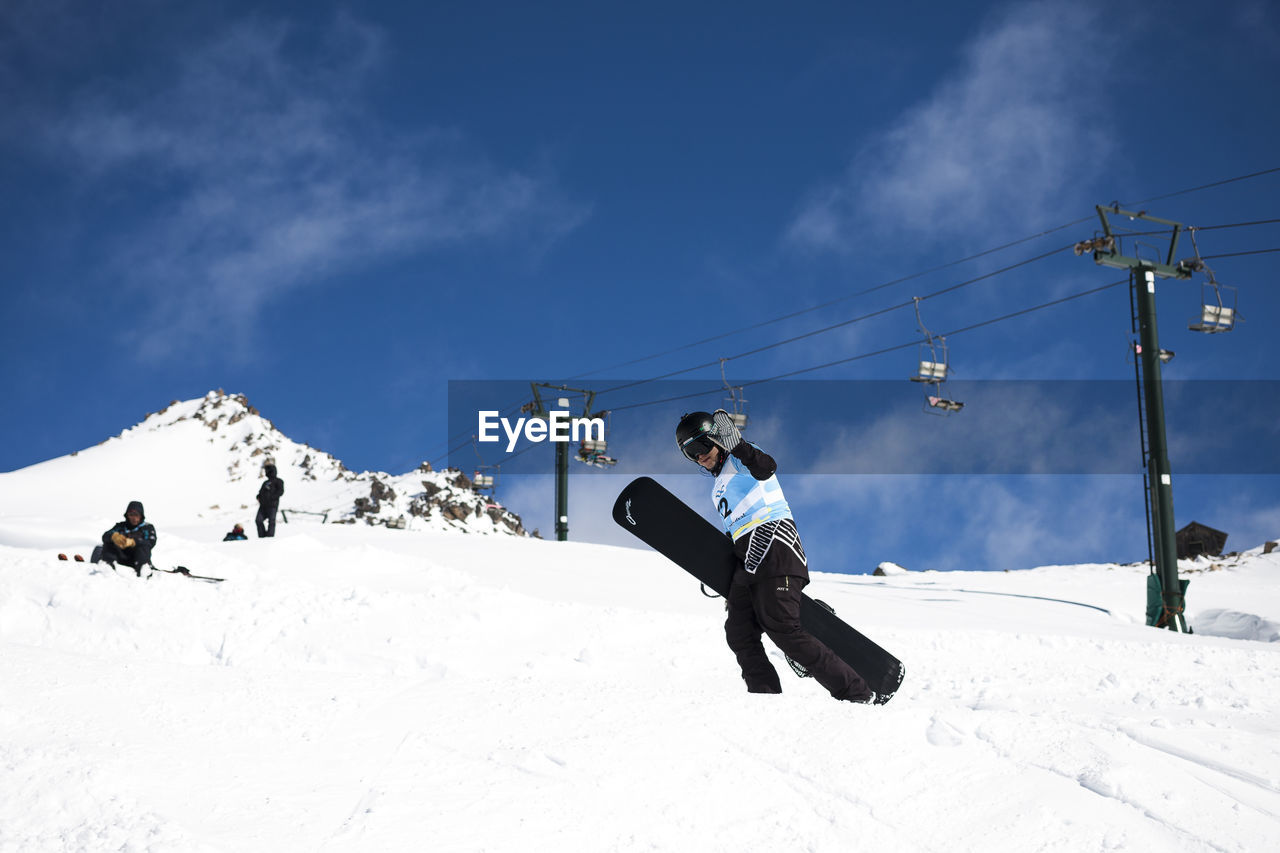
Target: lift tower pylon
<point x="1142" y="279"/>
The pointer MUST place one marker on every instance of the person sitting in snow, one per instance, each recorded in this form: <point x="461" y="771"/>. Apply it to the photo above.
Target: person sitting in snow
<point x="129" y="543"/>
<point x="269" y="502"/>
<point x="236" y="534"/>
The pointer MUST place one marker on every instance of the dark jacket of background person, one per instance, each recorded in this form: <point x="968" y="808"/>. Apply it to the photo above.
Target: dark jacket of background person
<point x="269" y="502"/>
<point x="141" y="533"/>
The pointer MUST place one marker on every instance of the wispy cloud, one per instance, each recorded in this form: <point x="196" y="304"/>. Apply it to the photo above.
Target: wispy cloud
<point x="996" y="143"/>
<point x="255" y="169"/>
<point x="967" y="522"/>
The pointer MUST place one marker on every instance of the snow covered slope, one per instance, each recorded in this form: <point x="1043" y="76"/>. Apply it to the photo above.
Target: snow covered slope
<point x="355" y="688"/>
<point x="200" y="461"/>
<point x="350" y="688"/>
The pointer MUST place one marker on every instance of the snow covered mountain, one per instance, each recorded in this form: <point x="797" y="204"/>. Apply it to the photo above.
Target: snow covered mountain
<point x="349" y="687"/>
<point x="201" y="461"/>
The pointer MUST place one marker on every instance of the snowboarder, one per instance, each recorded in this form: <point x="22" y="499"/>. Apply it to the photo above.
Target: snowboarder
<point x="269" y="502"/>
<point x="236" y="534"/>
<point x="130" y="542"/>
<point x="764" y="596"/>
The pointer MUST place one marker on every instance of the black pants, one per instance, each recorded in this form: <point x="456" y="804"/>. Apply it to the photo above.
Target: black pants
<point x="266" y="520"/>
<point x="772" y="606"/>
<point x="135" y="556"/>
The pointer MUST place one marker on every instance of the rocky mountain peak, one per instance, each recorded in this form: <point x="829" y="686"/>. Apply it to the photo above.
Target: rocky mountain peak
<point x="203" y="459"/>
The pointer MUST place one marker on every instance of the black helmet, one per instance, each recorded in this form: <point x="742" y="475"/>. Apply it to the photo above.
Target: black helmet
<point x="695" y="435"/>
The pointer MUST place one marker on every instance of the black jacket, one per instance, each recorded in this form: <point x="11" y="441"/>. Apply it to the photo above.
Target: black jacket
<point x="759" y="463"/>
<point x="141" y="532"/>
<point x="272" y="489"/>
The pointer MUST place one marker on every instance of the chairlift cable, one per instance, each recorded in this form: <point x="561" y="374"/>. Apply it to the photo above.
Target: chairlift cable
<point x="1239" y="254"/>
<point x="860" y="356"/>
<point x="910" y="277"/>
<point x="1193" y="228"/>
<point x="1010" y="316"/>
<point x="805" y="335"/>
<point x="837" y="301"/>
<point x="914" y="301"/>
<point x="1204" y="187"/>
<point x="510" y="410"/>
<point x="839" y="325"/>
<point x="1236" y="225"/>
<point x="939" y="268"/>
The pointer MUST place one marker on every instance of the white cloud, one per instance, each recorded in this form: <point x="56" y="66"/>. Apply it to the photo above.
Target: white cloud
<point x="967" y="522"/>
<point x="257" y="170"/>
<point x="996" y="144"/>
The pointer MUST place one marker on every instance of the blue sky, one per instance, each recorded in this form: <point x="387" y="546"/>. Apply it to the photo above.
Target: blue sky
<point x="339" y="211"/>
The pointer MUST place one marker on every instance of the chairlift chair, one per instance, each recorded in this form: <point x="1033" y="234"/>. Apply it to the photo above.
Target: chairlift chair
<point x="931" y="371"/>
<point x="944" y="404"/>
<point x="934" y="369"/>
<point x="482" y="480"/>
<point x="593" y="451"/>
<point x="933" y="353"/>
<point x="1215" y="315"/>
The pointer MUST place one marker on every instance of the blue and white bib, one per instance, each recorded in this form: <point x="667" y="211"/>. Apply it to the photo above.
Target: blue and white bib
<point x="743" y="502"/>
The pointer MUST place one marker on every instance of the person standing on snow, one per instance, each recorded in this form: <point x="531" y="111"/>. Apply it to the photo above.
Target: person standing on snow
<point x="130" y="542"/>
<point x="269" y="502"/>
<point x="764" y="596"/>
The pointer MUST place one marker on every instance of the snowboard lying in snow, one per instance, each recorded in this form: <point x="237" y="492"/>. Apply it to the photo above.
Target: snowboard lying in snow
<point x="679" y="533"/>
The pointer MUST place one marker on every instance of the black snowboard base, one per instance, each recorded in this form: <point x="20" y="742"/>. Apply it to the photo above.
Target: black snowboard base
<point x="663" y="522"/>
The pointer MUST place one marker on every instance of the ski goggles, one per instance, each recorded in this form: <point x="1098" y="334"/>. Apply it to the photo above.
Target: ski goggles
<point x="697" y="446"/>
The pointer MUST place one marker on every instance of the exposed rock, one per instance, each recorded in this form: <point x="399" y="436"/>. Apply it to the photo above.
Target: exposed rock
<point x="455" y="512"/>
<point x="509" y="520"/>
<point x="380" y="491"/>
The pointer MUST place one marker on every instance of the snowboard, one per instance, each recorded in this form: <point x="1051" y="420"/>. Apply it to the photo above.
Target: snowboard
<point x="178" y="570"/>
<point x="186" y="573"/>
<point x="669" y="526"/>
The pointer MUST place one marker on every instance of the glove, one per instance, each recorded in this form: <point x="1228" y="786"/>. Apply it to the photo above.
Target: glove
<point x="726" y="434"/>
<point x="121" y="540"/>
